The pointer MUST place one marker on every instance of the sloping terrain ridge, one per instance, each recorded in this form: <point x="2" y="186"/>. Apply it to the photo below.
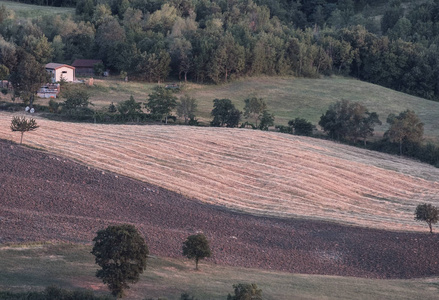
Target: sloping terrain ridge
<point x="49" y="198"/>
<point x="264" y="173"/>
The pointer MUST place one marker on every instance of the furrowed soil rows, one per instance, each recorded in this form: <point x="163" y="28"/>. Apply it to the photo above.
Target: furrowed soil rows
<point x="45" y="197"/>
<point x="263" y="173"/>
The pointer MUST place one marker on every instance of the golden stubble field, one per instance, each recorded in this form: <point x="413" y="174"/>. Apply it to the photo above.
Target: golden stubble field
<point x="264" y="173"/>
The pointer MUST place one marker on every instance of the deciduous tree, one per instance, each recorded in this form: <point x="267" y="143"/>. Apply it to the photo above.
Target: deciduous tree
<point x="301" y="127"/>
<point x="246" y="291"/>
<point x="28" y="77"/>
<point x="161" y="102"/>
<point x="225" y="113"/>
<point x="346" y="120"/>
<point x="253" y="108"/>
<point x="427" y="213"/>
<point x="129" y="109"/>
<point x="76" y="98"/>
<point x="196" y="247"/>
<point x="186" y="108"/>
<point x="267" y="120"/>
<point x="405" y="128"/>
<point x="23" y="125"/>
<point x="121" y="252"/>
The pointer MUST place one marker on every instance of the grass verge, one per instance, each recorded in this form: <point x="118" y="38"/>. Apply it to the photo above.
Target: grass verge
<point x="70" y="266"/>
<point x="286" y="97"/>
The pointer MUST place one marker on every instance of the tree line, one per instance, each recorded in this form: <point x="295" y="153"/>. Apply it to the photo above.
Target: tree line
<point x="344" y="121"/>
<point x="218" y="41"/>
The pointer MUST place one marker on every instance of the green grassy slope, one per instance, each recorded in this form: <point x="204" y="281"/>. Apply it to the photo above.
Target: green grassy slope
<point x="33" y="11"/>
<point x="289" y="98"/>
<point x="72" y="267"/>
<point x="286" y="97"/>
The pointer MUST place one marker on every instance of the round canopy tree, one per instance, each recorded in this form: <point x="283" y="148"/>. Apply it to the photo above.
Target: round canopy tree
<point x="121" y="252"/>
<point x="196" y="246"/>
<point x="23" y="125"/>
<point x="427" y="213"/>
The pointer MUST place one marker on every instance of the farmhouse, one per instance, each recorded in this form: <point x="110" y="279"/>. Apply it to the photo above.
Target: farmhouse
<point x="60" y="72"/>
<point x="85" y="67"/>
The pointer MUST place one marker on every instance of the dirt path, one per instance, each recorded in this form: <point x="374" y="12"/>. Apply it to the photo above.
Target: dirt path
<point x="46" y="197"/>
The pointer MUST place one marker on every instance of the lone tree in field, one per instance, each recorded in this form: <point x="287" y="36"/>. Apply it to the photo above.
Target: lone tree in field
<point x="427" y="213"/>
<point x="121" y="252"/>
<point x="22" y="124"/>
<point x="246" y="291"/>
<point x="196" y="246"/>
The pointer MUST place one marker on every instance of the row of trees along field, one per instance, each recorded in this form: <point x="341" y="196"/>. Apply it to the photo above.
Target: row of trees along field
<point x="219" y="40"/>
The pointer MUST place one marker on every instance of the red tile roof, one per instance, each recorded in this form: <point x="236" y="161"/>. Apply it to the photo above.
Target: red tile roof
<point x="55" y="66"/>
<point x="85" y="63"/>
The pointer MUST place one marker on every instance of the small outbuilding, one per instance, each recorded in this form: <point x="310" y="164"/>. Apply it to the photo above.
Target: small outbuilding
<point x="60" y="72"/>
<point x="85" y="67"/>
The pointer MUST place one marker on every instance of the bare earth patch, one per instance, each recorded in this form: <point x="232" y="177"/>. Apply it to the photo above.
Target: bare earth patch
<point x="45" y="197"/>
<point x="262" y="173"/>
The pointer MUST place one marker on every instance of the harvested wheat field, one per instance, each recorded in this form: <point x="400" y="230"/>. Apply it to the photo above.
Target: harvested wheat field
<point x="264" y="173"/>
<point x="45" y="197"/>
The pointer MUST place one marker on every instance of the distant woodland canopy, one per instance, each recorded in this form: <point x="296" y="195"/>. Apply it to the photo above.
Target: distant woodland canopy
<point x="395" y="46"/>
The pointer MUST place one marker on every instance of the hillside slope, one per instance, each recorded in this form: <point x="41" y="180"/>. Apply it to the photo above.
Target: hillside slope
<point x="263" y="173"/>
<point x="50" y="198"/>
<point x="287" y="97"/>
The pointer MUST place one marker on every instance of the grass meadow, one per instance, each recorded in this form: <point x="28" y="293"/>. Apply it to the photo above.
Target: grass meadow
<point x="286" y="97"/>
<point x="69" y="266"/>
<point x="29" y="11"/>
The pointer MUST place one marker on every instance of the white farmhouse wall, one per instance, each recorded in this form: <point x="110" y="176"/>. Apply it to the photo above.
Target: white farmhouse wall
<point x="68" y="74"/>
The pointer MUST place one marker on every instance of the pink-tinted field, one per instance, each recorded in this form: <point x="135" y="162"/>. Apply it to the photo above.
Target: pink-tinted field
<point x="264" y="173"/>
<point x="50" y="198"/>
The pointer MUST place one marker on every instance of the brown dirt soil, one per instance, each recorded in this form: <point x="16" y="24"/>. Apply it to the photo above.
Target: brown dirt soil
<point x="50" y="198"/>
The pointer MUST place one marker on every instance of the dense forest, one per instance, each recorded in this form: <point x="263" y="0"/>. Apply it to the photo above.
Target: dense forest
<point x="395" y="46"/>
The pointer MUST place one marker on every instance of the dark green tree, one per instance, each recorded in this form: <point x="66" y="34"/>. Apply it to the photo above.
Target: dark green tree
<point x="121" y="252"/>
<point x="362" y="122"/>
<point x="186" y="108"/>
<point x="346" y="120"/>
<point x="301" y="127"/>
<point x="76" y="99"/>
<point x="253" y="108"/>
<point x="28" y="77"/>
<point x="23" y="125"/>
<point x="161" y="102"/>
<point x="246" y="291"/>
<point x="129" y="109"/>
<point x="405" y="128"/>
<point x="427" y="213"/>
<point x="196" y="247"/>
<point x="227" y="59"/>
<point x="225" y="113"/>
<point x="266" y="119"/>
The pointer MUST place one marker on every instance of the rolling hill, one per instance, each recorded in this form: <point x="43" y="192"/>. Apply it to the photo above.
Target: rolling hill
<point x="286" y="97"/>
<point x="263" y="173"/>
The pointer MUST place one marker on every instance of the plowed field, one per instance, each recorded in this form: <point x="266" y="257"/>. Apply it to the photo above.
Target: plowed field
<point x="49" y="198"/>
<point x="263" y="173"/>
